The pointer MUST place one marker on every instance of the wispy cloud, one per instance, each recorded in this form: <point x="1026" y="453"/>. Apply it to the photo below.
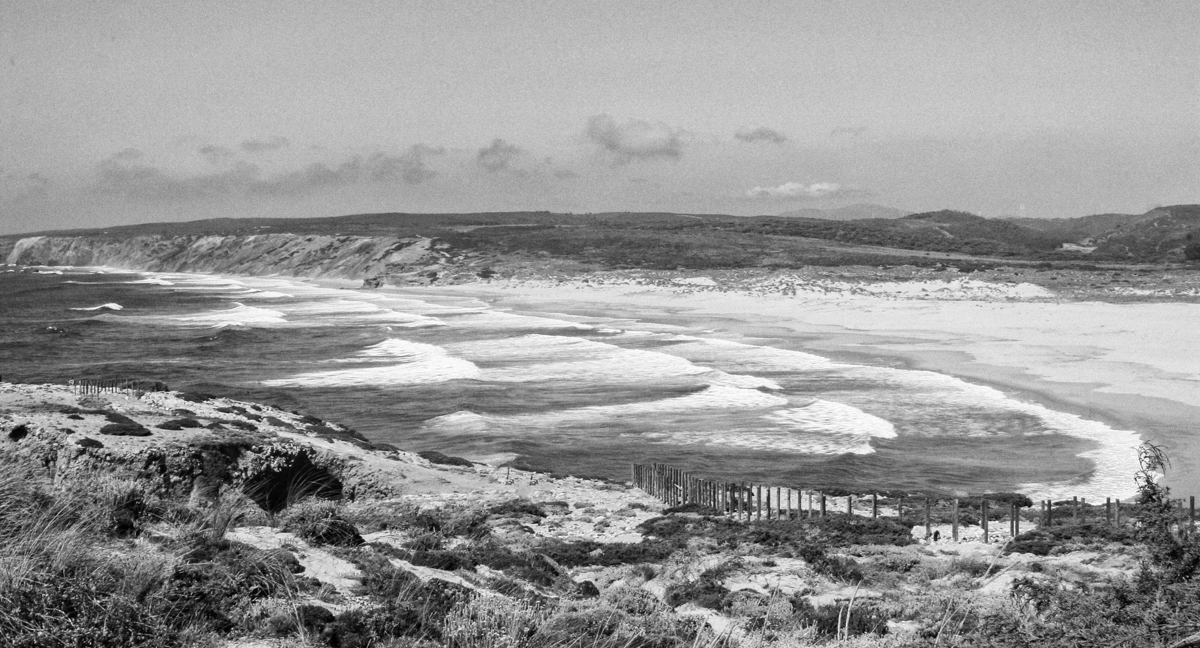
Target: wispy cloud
<point x="118" y="176"/>
<point x="635" y="139"/>
<point x="762" y="134"/>
<point x="497" y="156"/>
<point x="215" y="154"/>
<point x="801" y="191"/>
<point x="272" y="143"/>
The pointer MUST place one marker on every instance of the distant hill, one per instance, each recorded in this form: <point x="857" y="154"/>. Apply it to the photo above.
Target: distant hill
<point x="851" y="212"/>
<point x="624" y="239"/>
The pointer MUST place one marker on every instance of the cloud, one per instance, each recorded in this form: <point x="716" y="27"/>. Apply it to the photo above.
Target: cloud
<point x="115" y="178"/>
<point x="497" y="156"/>
<point x="141" y="181"/>
<point x="215" y="154"/>
<point x="410" y="166"/>
<point x="272" y="143"/>
<point x="761" y="134"/>
<point x="635" y="139"/>
<point x="801" y="191"/>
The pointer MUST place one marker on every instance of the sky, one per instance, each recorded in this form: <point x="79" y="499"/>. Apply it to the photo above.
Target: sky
<point x="123" y="112"/>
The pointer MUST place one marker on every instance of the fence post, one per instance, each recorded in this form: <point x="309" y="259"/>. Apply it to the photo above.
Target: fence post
<point x="954" y="528"/>
<point x="850" y="505"/>
<point x="1117" y="512"/>
<point x="900" y="510"/>
<point x="1016" y="520"/>
<point x="1108" y="511"/>
<point x="1075" y="511"/>
<point x="768" y="502"/>
<point x="983" y="514"/>
<point x="928" y="520"/>
<point x="874" y="505"/>
<point x="1192" y="512"/>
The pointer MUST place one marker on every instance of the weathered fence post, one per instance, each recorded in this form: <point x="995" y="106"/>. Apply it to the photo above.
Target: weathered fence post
<point x="1108" y="511"/>
<point x="954" y="527"/>
<point x="1075" y="510"/>
<point x="1117" y="512"/>
<point x="874" y="505"/>
<point x="850" y="505"/>
<point x="1192" y="512"/>
<point x="928" y="520"/>
<point x="983" y="514"/>
<point x="768" y="502"/>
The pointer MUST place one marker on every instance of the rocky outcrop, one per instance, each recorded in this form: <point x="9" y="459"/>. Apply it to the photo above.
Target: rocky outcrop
<point x="346" y="257"/>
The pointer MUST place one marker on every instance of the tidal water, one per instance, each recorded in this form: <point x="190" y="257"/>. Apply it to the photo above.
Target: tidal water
<point x="586" y="396"/>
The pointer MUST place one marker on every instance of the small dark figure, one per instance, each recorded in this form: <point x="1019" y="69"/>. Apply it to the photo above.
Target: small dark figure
<point x="937" y="535"/>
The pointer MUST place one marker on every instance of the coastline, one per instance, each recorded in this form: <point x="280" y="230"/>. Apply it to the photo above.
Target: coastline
<point x="866" y="330"/>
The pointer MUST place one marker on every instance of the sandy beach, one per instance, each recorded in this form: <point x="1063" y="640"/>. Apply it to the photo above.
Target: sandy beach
<point x="1131" y="366"/>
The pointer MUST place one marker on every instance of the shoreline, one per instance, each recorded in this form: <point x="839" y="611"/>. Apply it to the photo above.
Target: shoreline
<point x="694" y="306"/>
<point x="1158" y="420"/>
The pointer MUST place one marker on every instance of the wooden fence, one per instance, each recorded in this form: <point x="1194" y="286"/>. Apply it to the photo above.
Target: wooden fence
<point x="127" y="386"/>
<point x="747" y="501"/>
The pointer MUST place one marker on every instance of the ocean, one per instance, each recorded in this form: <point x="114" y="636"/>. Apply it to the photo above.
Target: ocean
<point x="580" y="395"/>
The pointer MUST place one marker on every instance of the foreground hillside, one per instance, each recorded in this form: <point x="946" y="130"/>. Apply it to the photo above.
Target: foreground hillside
<point x="171" y="519"/>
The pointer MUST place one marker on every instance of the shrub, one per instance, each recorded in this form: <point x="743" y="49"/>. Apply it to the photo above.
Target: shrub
<point x="838" y="568"/>
<point x="434" y="457"/>
<point x="864" y="618"/>
<point x="320" y="522"/>
<point x="704" y="592"/>
<point x="492" y="622"/>
<point x="125" y="429"/>
<point x="517" y="507"/>
<point x="19" y="432"/>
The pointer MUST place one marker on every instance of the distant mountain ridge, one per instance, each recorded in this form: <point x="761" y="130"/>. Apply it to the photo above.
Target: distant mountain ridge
<point x="850" y="212"/>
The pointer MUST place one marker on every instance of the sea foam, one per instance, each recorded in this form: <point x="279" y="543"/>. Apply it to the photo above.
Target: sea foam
<point x="109" y="306"/>
<point x="422" y="364"/>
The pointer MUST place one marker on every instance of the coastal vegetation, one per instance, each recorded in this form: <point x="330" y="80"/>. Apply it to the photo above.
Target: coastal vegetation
<point x="119" y="555"/>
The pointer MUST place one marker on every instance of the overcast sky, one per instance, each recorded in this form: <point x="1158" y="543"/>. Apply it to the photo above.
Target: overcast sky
<point x="119" y="112"/>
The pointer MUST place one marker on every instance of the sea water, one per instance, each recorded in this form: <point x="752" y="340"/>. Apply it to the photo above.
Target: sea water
<point x="588" y="396"/>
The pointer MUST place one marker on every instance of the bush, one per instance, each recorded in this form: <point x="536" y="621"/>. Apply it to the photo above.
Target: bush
<point x="434" y="457"/>
<point x="320" y="522"/>
<point x="838" y="568"/>
<point x="864" y="618"/>
<point x="517" y="507"/>
<point x="125" y="429"/>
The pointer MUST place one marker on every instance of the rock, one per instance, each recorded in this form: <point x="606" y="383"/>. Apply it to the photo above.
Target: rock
<point x="88" y="442"/>
<point x="587" y="589"/>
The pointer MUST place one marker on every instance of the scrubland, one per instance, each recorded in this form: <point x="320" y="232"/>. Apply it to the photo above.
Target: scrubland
<point x="105" y="552"/>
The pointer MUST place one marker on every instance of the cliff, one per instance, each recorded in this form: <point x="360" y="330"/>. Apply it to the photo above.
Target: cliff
<point x="345" y="257"/>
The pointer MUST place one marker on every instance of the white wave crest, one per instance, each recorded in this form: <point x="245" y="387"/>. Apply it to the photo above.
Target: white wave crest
<point x="827" y="417"/>
<point x="239" y="315"/>
<point x="423" y="363"/>
<point x="109" y="306"/>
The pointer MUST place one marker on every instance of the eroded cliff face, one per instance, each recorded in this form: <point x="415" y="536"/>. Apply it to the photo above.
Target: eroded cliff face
<point x="346" y="257"/>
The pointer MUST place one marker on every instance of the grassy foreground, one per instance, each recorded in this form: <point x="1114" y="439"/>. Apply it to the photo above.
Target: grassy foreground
<point x="109" y="559"/>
